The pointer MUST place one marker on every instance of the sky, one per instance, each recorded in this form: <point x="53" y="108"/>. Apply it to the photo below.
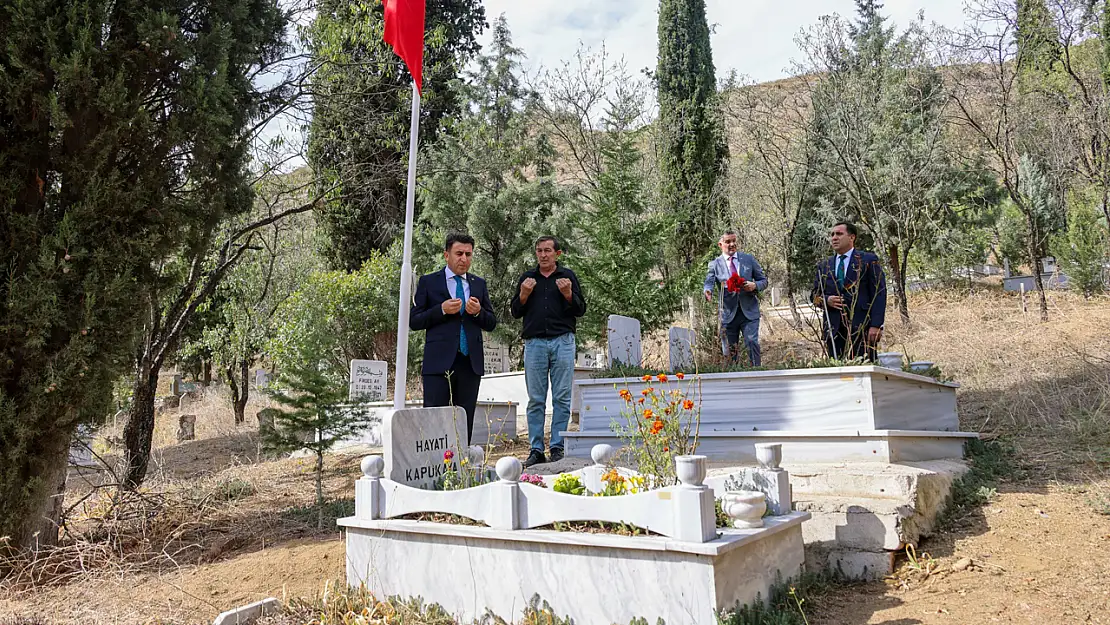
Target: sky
<point x="754" y="37"/>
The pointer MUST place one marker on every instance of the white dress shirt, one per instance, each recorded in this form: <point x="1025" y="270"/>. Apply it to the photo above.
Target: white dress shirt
<point x="451" y="284"/>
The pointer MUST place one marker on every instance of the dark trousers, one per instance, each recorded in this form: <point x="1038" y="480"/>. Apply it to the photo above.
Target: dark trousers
<point x="850" y="348"/>
<point x="457" y="387"/>
<point x="749" y="329"/>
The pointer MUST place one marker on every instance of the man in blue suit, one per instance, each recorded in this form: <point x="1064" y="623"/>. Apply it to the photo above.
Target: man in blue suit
<point x="850" y="288"/>
<point x="740" y="278"/>
<point x="453" y="306"/>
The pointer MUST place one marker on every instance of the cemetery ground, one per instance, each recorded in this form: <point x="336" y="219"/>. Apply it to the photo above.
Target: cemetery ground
<point x="218" y="525"/>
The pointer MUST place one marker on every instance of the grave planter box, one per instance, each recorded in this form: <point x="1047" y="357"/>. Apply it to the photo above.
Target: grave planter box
<point x="687" y="572"/>
<point x="834" y="399"/>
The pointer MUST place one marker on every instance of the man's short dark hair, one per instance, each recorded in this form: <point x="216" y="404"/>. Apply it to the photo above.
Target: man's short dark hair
<point x="457" y="237"/>
<point x="849" y="226"/>
<point x="729" y="232"/>
<point x="554" y="242"/>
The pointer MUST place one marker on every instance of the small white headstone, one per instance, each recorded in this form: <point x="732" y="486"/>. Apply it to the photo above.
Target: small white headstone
<point x="261" y="378"/>
<point x="415" y="439"/>
<point x="368" y="380"/>
<point x="496" y="356"/>
<point x="589" y="360"/>
<point x="624" y="341"/>
<point x="682" y="348"/>
<point x="776" y="296"/>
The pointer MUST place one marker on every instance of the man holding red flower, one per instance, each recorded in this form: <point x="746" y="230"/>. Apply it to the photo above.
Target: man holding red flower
<point x="740" y="278"/>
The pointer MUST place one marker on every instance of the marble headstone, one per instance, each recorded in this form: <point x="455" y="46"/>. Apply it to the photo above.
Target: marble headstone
<point x="415" y="439"/>
<point x="589" y="360"/>
<point x="496" y="356"/>
<point x="624" y="341"/>
<point x="682" y="348"/>
<point x="368" y="380"/>
<point x="261" y="378"/>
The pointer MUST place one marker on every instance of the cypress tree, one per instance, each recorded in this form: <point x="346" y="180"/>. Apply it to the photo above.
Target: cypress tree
<point x="122" y="136"/>
<point x="693" y="151"/>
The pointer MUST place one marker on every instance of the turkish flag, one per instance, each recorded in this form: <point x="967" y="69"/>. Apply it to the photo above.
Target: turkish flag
<point x="404" y="30"/>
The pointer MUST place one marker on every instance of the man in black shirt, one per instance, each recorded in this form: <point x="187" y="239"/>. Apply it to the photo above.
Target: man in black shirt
<point x="550" y="300"/>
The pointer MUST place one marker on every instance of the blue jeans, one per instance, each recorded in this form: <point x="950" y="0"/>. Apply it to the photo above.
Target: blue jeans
<point x="552" y="358"/>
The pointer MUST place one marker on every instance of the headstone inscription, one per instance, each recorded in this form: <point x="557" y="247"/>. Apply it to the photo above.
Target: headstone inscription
<point x="368" y="380"/>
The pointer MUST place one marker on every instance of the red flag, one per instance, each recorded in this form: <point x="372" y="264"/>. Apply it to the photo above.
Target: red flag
<point x="404" y="30"/>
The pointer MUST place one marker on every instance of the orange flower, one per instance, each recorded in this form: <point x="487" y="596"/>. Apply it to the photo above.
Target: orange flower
<point x="646" y="378"/>
<point x="640" y="401"/>
<point x="648" y="413"/>
<point x="662" y="377"/>
<point x="666" y="449"/>
<point x="680" y="375"/>
<point x="625" y="394"/>
<point x="688" y="404"/>
<point x="667" y="410"/>
<point x="657" y="426"/>
<point x="647" y="391"/>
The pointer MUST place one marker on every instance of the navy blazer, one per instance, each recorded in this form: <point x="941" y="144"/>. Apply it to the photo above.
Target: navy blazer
<point x="864" y="291"/>
<point x="747" y="267"/>
<point x="441" y="342"/>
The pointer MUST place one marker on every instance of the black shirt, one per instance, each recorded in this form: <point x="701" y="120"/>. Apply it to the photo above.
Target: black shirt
<point x="547" y="313"/>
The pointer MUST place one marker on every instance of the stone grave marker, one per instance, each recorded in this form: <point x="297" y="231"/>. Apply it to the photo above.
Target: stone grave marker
<point x="589" y="360"/>
<point x="80" y="449"/>
<point x="186" y="428"/>
<point x="415" y="439"/>
<point x="682" y="348"/>
<point x="624" y="341"/>
<point x="368" y="380"/>
<point x="261" y="378"/>
<point x="496" y="356"/>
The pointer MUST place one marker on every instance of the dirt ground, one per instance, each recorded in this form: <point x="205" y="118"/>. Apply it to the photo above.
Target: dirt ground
<point x="226" y="530"/>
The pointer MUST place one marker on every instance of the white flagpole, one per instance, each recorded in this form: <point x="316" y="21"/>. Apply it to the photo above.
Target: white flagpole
<point x="401" y="367"/>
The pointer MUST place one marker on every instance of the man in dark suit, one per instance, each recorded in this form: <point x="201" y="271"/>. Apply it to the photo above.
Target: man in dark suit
<point x="738" y="304"/>
<point x="453" y="306"/>
<point x="850" y="288"/>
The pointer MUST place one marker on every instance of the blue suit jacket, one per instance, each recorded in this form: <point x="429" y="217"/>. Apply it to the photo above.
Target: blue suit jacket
<point x="441" y="341"/>
<point x="747" y="268"/>
<point x="864" y="291"/>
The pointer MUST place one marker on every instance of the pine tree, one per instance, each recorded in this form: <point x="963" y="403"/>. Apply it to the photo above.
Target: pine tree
<point x="622" y="241"/>
<point x="314" y="415"/>
<point x="1038" y="38"/>
<point x="694" y="152"/>
<point x="122" y="133"/>
<point x="358" y="141"/>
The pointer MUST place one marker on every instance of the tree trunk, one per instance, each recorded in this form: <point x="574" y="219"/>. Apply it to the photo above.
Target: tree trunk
<point x="244" y="394"/>
<point x="898" y="277"/>
<point x="1035" y="262"/>
<point x="206" y="371"/>
<point x="239" y="388"/>
<point x="319" y="489"/>
<point x="32" y="487"/>
<point x="138" y="434"/>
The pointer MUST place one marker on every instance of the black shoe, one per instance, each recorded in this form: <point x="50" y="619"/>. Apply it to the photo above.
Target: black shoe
<point x="556" y="454"/>
<point x="536" y="457"/>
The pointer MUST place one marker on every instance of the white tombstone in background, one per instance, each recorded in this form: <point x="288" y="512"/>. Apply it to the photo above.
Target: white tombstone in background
<point x="261" y="378"/>
<point x="681" y="342"/>
<point x="624" y="341"/>
<point x="368" y="380"/>
<point x="776" y="296"/>
<point x="589" y="360"/>
<point x="496" y="356"/>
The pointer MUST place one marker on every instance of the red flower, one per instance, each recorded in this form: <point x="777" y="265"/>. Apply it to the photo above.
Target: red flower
<point x="687" y="404"/>
<point x="646" y="378"/>
<point x="735" y="283"/>
<point x="657" y="426"/>
<point x="662" y="377"/>
<point x="640" y="401"/>
<point x="448" y="455"/>
<point x="680" y="375"/>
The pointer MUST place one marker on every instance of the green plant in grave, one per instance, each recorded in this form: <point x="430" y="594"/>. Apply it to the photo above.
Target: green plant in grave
<point x="658" y="426"/>
<point x="463" y="474"/>
<point x="569" y="484"/>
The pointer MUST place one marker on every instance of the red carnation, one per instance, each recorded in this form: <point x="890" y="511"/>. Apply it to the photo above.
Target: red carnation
<point x="735" y="283"/>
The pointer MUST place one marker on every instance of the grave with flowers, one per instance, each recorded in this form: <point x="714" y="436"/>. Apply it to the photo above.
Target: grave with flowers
<point x="597" y="544"/>
<point x="873" y="451"/>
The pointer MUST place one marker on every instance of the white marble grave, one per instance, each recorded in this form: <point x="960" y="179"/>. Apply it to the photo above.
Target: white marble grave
<point x="415" y="439"/>
<point x="624" y="341"/>
<point x="369" y="379"/>
<point x="681" y="342"/>
<point x="261" y="378"/>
